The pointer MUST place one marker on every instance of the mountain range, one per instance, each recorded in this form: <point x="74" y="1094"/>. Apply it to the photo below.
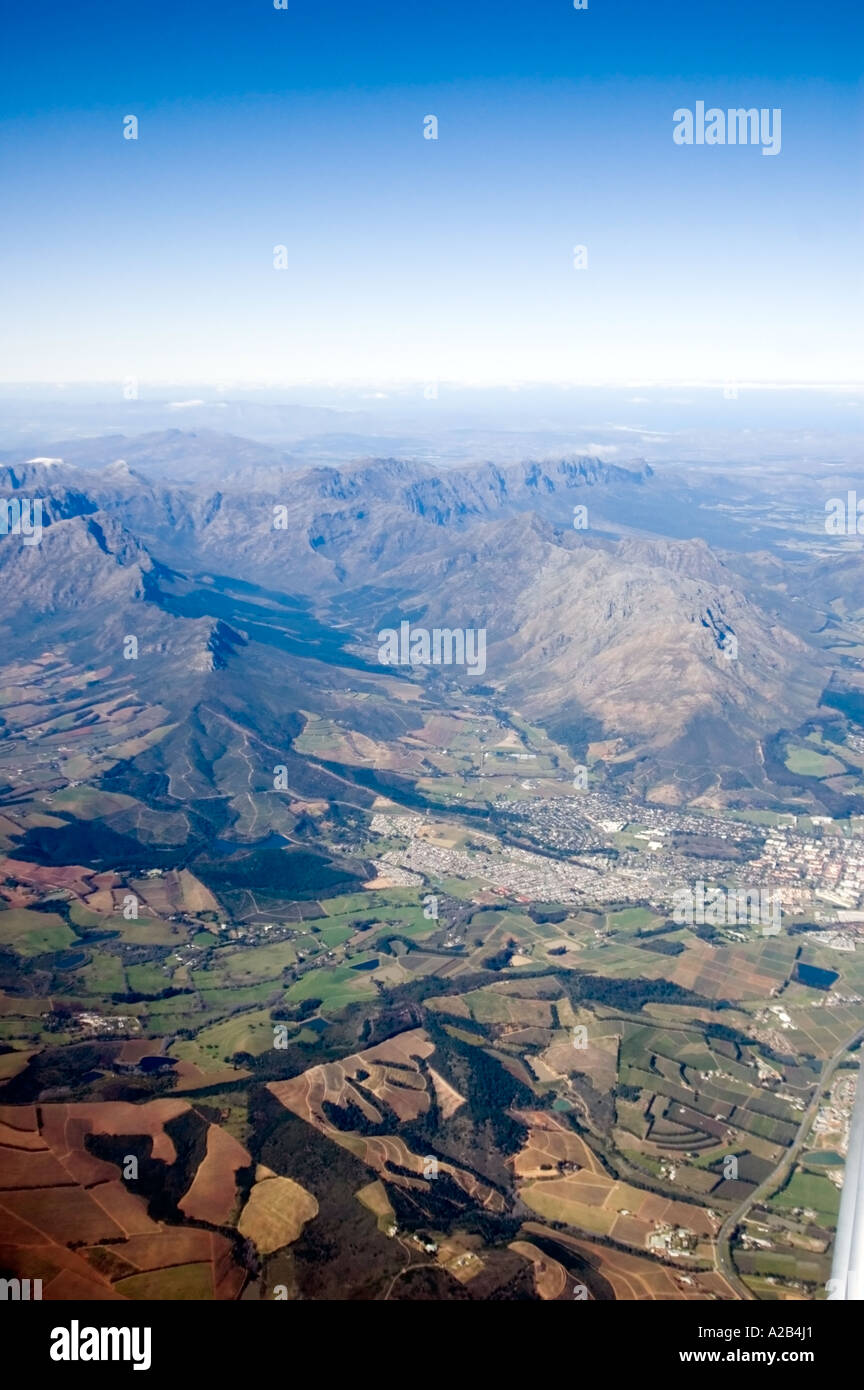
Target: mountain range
<point x="604" y="622"/>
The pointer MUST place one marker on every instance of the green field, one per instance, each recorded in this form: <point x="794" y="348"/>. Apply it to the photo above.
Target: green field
<point x="335" y="936"/>
<point x="89" y="804"/>
<point x="104" y="975"/>
<point x="148" y="978"/>
<point x="264" y="963"/>
<point x="31" y="933"/>
<point x="806" y="762"/>
<point x="809" y="1190"/>
<point x="632" y="917"/>
<point x="336" y="985"/>
<point x="250" y="1032"/>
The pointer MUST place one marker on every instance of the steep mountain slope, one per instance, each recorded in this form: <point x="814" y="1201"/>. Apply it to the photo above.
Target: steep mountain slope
<point x="650" y="641"/>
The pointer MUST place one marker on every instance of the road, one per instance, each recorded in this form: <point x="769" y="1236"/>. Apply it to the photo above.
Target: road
<point x="722" y="1252"/>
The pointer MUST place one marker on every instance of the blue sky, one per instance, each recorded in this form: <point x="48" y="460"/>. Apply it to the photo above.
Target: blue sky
<point x="419" y="259"/>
